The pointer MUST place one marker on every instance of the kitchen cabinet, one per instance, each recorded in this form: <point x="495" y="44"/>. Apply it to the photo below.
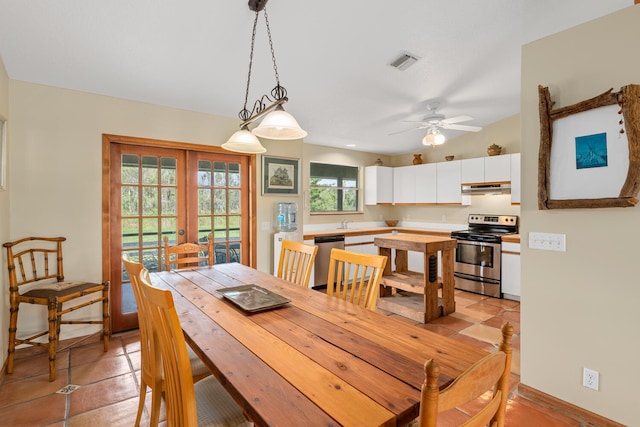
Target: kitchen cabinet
<point x="378" y="185"/>
<point x="472" y="170"/>
<point x="448" y="182"/>
<point x="511" y="270"/>
<point x="497" y="168"/>
<point x="515" y="178"/>
<point x="404" y="185"/>
<point x="425" y="183"/>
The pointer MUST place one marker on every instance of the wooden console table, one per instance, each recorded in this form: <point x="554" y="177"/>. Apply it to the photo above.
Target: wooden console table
<point x="426" y="284"/>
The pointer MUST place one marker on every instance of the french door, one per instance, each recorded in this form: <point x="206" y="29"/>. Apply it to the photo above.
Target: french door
<point x="156" y="190"/>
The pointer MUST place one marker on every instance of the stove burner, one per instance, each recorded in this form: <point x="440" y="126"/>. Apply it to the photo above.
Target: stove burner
<point x="488" y="228"/>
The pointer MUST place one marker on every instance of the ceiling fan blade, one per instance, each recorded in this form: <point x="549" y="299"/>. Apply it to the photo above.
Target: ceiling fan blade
<point x="407" y="130"/>
<point x="457" y="119"/>
<point x="462" y="127"/>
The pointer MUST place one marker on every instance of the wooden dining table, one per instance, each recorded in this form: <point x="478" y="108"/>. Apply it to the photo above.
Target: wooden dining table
<point x="315" y="361"/>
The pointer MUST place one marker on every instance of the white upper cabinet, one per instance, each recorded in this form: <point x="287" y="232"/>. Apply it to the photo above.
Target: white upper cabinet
<point x="497" y="168"/>
<point x="515" y="178"/>
<point x="448" y="182"/>
<point x="404" y="189"/>
<point x="425" y="183"/>
<point x="378" y="185"/>
<point x="472" y="170"/>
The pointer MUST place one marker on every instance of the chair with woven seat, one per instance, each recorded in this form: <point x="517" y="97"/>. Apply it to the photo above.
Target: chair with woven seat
<point x="188" y="404"/>
<point x="36" y="268"/>
<point x="296" y="262"/>
<point x="355" y="277"/>
<point x="147" y="379"/>
<point x="188" y="255"/>
<point x="489" y="374"/>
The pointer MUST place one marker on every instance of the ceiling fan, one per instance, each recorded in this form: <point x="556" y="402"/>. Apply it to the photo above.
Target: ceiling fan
<point x="434" y="122"/>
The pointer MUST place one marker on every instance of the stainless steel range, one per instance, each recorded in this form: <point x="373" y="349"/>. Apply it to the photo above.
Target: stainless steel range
<point x="478" y="253"/>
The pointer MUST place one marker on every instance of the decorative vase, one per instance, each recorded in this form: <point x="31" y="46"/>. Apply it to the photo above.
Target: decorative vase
<point x="494" y="150"/>
<point x="417" y="159"/>
<point x="378" y="162"/>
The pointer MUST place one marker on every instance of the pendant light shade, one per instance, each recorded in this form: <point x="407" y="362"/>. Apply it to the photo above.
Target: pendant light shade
<point x="243" y="141"/>
<point x="279" y="124"/>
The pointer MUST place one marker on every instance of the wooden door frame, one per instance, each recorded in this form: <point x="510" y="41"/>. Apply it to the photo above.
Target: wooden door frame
<point x="108" y="139"/>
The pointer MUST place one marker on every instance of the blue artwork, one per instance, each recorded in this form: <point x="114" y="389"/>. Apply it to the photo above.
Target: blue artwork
<point x="591" y="151"/>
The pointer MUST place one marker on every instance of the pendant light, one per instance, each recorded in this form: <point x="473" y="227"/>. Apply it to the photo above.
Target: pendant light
<point x="277" y="123"/>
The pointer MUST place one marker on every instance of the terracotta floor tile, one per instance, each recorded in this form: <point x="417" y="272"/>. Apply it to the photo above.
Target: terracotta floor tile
<point x="118" y="414"/>
<point x="498" y="321"/>
<point x="31" y="388"/>
<point x="98" y="370"/>
<point x="95" y="351"/>
<point x="103" y="393"/>
<point x="484" y="333"/>
<point x="485" y="307"/>
<point x="521" y="412"/>
<point x="451" y="322"/>
<point x="38" y="412"/>
<point x="503" y="303"/>
<point x="36" y="363"/>
<point x="511" y="316"/>
<point x="471" y="315"/>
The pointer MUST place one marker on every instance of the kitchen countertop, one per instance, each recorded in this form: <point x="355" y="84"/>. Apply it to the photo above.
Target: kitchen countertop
<point x="511" y="238"/>
<point x="363" y="231"/>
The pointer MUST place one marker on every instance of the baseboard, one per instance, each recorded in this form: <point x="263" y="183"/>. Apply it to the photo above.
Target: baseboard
<point x="565" y="408"/>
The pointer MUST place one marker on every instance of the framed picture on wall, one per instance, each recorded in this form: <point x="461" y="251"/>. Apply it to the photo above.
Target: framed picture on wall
<point x="3" y="154"/>
<point x="280" y="175"/>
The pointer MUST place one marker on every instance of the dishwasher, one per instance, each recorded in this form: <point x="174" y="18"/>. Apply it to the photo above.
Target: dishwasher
<point x="321" y="266"/>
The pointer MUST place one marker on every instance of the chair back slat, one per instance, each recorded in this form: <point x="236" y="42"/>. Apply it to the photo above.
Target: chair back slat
<point x="34" y="264"/>
<point x="355" y="277"/>
<point x="187" y="255"/>
<point x="489" y="375"/>
<point x="168" y="345"/>
<point x="296" y="262"/>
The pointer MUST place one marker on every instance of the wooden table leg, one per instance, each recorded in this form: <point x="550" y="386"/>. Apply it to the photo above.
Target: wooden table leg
<point x="431" y="309"/>
<point x="448" y="283"/>
<point x="386" y="291"/>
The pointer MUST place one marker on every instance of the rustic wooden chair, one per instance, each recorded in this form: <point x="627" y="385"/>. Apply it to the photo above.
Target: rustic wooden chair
<point x="36" y="267"/>
<point x="188" y="404"/>
<point x="489" y="373"/>
<point x="187" y="255"/>
<point x="296" y="262"/>
<point x="147" y="379"/>
<point x="355" y="277"/>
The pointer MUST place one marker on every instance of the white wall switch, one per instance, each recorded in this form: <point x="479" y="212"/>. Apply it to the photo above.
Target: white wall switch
<point x="266" y="226"/>
<point x="548" y="241"/>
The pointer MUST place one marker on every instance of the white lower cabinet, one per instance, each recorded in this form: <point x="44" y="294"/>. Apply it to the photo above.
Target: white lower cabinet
<point x="511" y="270"/>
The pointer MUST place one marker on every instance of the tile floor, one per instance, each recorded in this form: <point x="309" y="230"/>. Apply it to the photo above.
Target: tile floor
<point x="108" y="393"/>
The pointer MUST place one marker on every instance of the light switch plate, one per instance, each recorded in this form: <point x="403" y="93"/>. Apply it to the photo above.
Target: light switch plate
<point x="548" y="241"/>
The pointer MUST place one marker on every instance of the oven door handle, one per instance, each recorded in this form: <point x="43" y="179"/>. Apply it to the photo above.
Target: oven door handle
<point x="476" y="278"/>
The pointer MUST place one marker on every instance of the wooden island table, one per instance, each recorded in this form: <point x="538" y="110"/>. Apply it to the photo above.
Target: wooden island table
<point x="427" y="283"/>
<point x="317" y="360"/>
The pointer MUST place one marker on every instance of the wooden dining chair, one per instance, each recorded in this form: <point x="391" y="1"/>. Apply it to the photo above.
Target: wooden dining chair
<point x="296" y="262"/>
<point x="489" y="375"/>
<point x="355" y="277"/>
<point x="36" y="264"/>
<point x="188" y="404"/>
<point x="188" y="255"/>
<point x="147" y="379"/>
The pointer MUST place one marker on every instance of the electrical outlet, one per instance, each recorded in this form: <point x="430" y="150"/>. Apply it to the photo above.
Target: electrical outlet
<point x="590" y="378"/>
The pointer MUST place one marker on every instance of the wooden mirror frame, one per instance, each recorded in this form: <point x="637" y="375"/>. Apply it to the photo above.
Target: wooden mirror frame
<point x="629" y="100"/>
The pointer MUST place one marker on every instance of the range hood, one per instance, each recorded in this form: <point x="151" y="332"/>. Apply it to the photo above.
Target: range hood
<point x="478" y="189"/>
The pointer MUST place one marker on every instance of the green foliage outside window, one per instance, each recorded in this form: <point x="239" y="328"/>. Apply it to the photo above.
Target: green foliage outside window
<point x="334" y="188"/>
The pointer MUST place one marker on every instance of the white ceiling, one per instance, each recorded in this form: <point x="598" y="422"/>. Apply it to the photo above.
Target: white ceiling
<point x="332" y="57"/>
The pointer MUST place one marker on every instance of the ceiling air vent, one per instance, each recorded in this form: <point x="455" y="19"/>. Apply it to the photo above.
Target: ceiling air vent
<point x="404" y="61"/>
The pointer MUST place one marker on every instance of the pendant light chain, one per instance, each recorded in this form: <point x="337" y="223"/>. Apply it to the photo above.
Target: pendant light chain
<point x="244" y="113"/>
<point x="278" y="92"/>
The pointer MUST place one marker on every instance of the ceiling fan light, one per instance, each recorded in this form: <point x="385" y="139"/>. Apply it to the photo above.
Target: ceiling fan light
<point x="243" y="141"/>
<point x="281" y="125"/>
<point x="433" y="139"/>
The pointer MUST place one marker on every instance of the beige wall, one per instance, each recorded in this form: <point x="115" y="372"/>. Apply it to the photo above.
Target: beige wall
<point x="580" y="308"/>
<point x="4" y="222"/>
<point x="56" y="176"/>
